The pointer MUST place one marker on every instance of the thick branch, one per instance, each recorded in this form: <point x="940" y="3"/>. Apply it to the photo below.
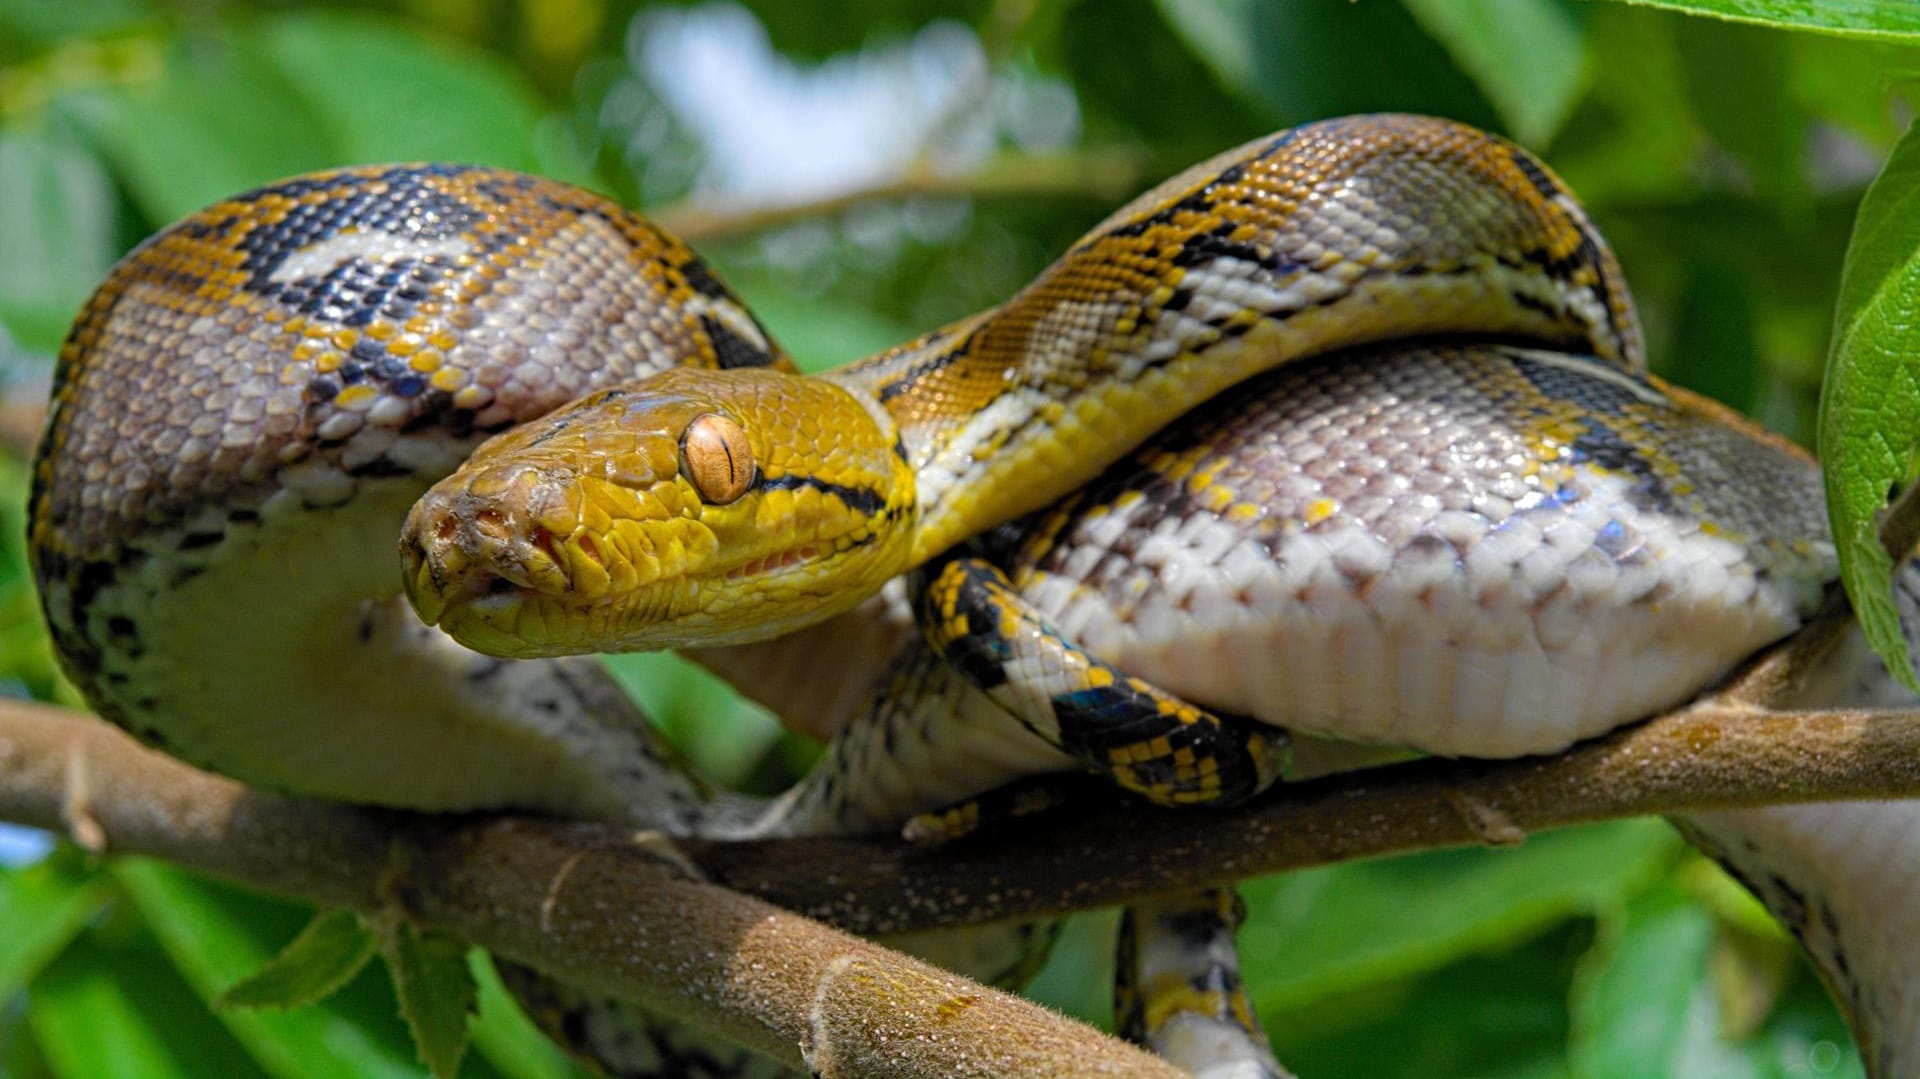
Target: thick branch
<point x="1710" y="757"/>
<point x="587" y="904"/>
<point x="1713" y="757"/>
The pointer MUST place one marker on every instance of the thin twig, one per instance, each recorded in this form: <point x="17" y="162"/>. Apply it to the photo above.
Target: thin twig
<point x="20" y="422"/>
<point x="1103" y="175"/>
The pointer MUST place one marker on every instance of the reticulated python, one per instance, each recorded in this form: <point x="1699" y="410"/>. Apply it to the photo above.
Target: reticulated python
<point x="259" y="393"/>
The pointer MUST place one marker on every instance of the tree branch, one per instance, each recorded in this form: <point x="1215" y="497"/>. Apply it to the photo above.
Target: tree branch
<point x="605" y="909"/>
<point x="1712" y="756"/>
<point x="588" y="904"/>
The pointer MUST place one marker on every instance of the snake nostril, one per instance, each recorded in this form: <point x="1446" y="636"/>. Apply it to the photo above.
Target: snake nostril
<point x="542" y="541"/>
<point x="491" y="523"/>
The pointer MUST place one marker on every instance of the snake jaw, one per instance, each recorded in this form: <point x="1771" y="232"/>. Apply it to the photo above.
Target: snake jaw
<point x="485" y="539"/>
<point x="722" y="508"/>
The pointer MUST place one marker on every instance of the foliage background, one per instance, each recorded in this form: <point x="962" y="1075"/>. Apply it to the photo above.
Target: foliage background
<point x="1725" y="161"/>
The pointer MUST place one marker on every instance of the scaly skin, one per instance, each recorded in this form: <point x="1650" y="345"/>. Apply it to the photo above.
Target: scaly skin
<point x="257" y="394"/>
<point x="1323" y="237"/>
<point x="604" y="541"/>
<point x="243" y="414"/>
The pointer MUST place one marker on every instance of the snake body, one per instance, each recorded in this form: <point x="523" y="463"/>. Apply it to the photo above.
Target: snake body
<point x="1330" y="235"/>
<point x="262" y="391"/>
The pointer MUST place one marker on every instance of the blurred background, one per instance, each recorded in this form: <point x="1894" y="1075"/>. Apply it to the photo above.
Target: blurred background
<point x="861" y="170"/>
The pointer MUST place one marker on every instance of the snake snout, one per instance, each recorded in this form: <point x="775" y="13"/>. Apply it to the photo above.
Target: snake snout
<point x="465" y="543"/>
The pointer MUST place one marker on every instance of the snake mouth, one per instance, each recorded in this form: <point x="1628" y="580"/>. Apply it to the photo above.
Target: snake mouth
<point x="778" y="562"/>
<point x="498" y="580"/>
<point x="458" y="552"/>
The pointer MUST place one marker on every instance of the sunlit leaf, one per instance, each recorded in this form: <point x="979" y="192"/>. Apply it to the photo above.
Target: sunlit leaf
<point x="1870" y="404"/>
<point x="329" y="951"/>
<point x="217" y="119"/>
<point x="1527" y="56"/>
<point x="1644" y="1004"/>
<point x="1890" y="19"/>
<point x="1632" y="1000"/>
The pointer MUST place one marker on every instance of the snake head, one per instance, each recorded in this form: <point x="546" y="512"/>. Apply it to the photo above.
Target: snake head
<point x="695" y="506"/>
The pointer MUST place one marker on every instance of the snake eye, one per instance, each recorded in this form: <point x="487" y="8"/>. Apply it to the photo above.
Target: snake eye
<point x="715" y="458"/>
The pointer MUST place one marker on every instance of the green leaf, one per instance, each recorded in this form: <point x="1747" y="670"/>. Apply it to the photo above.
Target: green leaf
<point x="820" y="332"/>
<point x="385" y="92"/>
<point x="1527" y="56"/>
<point x="35" y="24"/>
<point x="58" y="218"/>
<point x="721" y="732"/>
<point x="1861" y="85"/>
<point x="1631" y="1002"/>
<point x="506" y="1037"/>
<point x="1352" y="928"/>
<point x="1870" y="403"/>
<point x="325" y="956"/>
<point x="1738" y="81"/>
<point x="1499" y="1015"/>
<point x="180" y="140"/>
<point x="1334" y="929"/>
<point x="112" y="1005"/>
<point x="1714" y="351"/>
<point x="437" y="993"/>
<point x="217" y="935"/>
<point x="1648" y="1001"/>
<point x="1886" y="19"/>
<point x="44" y="907"/>
<point x="1637" y="98"/>
<point x="1307" y="61"/>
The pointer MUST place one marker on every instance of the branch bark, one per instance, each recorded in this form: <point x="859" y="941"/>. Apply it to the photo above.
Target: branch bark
<point x="589" y="904"/>
<point x="64" y="772"/>
<point x="605" y="909"/>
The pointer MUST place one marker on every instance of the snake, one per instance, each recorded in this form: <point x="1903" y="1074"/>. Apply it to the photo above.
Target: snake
<point x="261" y="393"/>
<point x="212" y="427"/>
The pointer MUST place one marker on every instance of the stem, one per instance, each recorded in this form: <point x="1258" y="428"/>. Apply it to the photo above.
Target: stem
<point x="1104" y="175"/>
